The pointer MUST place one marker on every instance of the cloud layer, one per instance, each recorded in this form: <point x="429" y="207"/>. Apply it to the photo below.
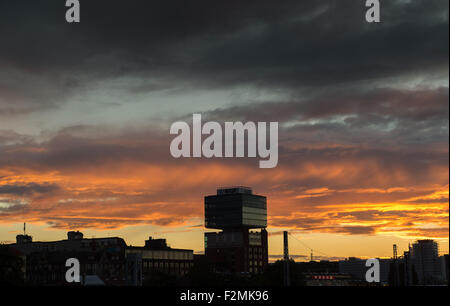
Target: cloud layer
<point x="85" y="111"/>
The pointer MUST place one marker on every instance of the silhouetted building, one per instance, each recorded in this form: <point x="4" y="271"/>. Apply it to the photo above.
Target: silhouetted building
<point x="323" y="266"/>
<point x="72" y="235"/>
<point x="424" y="258"/>
<point x="48" y="267"/>
<point x="157" y="256"/>
<point x="108" y="259"/>
<point x="235" y="211"/>
<point x="156" y="244"/>
<point x="45" y="260"/>
<point x="22" y="239"/>
<point x="357" y="268"/>
<point x="444" y="267"/>
<point x="74" y="243"/>
<point x="133" y="269"/>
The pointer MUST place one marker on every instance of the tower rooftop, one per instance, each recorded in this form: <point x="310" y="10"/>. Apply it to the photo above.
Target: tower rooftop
<point x="234" y="190"/>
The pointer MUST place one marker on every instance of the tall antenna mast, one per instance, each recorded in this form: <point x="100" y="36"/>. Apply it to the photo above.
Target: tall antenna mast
<point x="24" y="228"/>
<point x="286" y="278"/>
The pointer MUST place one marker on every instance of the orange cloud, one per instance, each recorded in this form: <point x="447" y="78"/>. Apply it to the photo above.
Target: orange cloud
<point x="130" y="183"/>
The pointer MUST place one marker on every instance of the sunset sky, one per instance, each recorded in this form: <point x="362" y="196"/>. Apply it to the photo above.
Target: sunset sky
<point x="363" y="109"/>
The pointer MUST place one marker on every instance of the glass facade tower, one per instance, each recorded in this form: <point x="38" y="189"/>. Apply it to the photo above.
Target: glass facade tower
<point x="235" y="211"/>
<point x="235" y="207"/>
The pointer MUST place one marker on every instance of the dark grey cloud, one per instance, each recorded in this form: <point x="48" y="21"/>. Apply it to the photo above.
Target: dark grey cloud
<point x="69" y="150"/>
<point x="429" y="201"/>
<point x="8" y="137"/>
<point x="372" y="215"/>
<point x="314" y="224"/>
<point x="376" y="118"/>
<point x="418" y="105"/>
<point x="212" y="44"/>
<point x="27" y="189"/>
<point x="368" y="102"/>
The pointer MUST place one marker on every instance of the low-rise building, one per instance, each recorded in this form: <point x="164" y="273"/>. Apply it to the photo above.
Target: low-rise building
<point x="109" y="259"/>
<point x="157" y="256"/>
<point x="357" y="268"/>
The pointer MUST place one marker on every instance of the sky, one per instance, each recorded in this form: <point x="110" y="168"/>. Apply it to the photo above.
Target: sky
<point x="363" y="112"/>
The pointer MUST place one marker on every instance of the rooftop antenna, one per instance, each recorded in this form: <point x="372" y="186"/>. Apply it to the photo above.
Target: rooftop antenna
<point x="24" y="228"/>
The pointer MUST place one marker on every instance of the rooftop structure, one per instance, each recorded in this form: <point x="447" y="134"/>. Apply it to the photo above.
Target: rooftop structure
<point x="235" y="207"/>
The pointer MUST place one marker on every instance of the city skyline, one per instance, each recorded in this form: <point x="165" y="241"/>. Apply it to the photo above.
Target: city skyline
<point x="396" y="253"/>
<point x="309" y="252"/>
<point x="85" y="113"/>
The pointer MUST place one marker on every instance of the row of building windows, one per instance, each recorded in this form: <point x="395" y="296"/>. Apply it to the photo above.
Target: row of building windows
<point x="166" y="255"/>
<point x="162" y="265"/>
<point x="254" y="270"/>
<point x="255" y="256"/>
